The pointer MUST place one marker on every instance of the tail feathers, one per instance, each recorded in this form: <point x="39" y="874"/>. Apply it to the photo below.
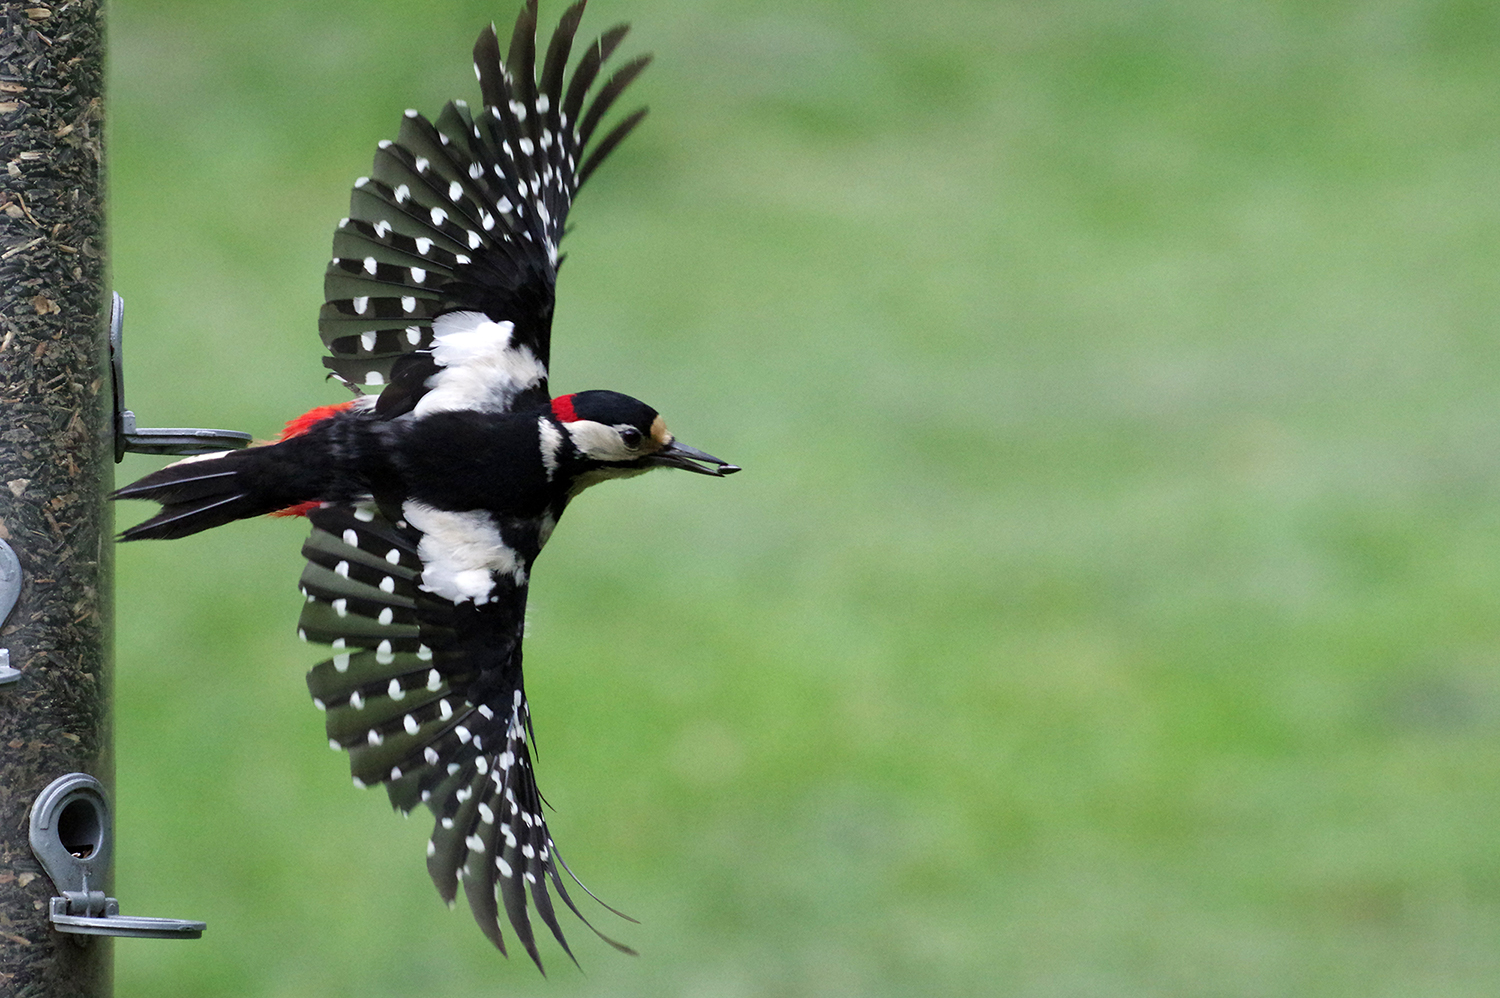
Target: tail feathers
<point x="195" y="494"/>
<point x="210" y="490"/>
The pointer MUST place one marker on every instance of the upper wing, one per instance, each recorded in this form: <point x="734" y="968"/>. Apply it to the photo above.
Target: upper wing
<point x="426" y="696"/>
<point x="443" y="274"/>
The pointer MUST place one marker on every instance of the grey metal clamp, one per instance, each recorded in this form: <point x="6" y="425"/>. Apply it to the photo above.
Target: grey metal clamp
<point x="10" y="591"/>
<point x="72" y="837"/>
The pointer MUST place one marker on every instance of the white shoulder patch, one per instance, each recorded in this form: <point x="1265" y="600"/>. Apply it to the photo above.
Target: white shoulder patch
<point x="460" y="551"/>
<point x="481" y="365"/>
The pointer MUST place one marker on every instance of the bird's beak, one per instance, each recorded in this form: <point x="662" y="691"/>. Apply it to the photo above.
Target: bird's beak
<point x="676" y="455"/>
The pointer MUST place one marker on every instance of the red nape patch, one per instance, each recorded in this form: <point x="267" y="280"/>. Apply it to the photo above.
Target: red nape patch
<point x="304" y="422"/>
<point x="562" y="408"/>
<point x="301" y="509"/>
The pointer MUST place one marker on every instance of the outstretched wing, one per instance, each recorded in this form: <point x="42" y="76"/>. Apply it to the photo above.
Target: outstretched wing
<point x="441" y="284"/>
<point x="426" y="696"/>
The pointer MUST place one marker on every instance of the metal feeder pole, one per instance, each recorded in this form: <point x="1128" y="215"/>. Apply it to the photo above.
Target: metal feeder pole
<point x="56" y="457"/>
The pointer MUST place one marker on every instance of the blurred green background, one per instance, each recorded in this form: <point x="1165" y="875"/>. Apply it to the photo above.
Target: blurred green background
<point x="1110" y="604"/>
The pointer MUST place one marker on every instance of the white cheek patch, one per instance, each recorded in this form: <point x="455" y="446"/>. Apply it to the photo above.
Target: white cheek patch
<point x="551" y="442"/>
<point x="600" y="442"/>
<point x="482" y="367"/>
<point x="460" y="552"/>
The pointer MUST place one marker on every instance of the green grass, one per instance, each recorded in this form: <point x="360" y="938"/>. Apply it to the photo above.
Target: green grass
<point x="1110" y="604"/>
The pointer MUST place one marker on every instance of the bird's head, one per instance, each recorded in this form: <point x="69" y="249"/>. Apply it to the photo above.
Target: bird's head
<point x="616" y="436"/>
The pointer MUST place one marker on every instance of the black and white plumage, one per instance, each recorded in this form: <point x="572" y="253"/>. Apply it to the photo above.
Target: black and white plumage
<point x="430" y="502"/>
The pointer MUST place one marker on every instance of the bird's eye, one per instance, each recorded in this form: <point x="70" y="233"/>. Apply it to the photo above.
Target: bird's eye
<point x="630" y="437"/>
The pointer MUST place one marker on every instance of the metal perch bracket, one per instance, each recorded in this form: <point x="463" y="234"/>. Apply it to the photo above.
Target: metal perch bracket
<point x="73" y="839"/>
<point x="10" y="591"/>
<point x="128" y="436"/>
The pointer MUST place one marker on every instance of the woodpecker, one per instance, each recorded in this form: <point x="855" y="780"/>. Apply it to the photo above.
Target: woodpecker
<point x="430" y="500"/>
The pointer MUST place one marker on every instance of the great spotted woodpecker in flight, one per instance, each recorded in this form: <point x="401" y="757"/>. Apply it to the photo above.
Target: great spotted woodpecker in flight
<point x="430" y="501"/>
